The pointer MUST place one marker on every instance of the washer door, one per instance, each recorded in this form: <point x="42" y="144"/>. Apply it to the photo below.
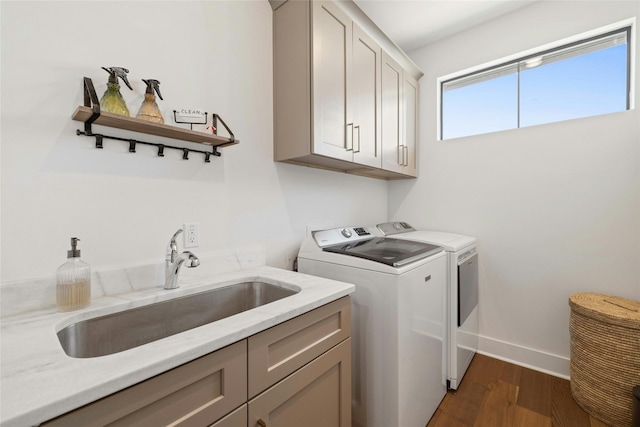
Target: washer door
<point x="394" y="252"/>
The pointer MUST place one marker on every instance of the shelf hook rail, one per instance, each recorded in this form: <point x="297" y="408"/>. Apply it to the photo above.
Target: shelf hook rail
<point x="133" y="142"/>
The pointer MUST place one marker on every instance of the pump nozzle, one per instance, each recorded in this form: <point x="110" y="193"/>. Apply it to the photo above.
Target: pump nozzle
<point x="74" y="252"/>
<point x="152" y="85"/>
<point x="115" y="72"/>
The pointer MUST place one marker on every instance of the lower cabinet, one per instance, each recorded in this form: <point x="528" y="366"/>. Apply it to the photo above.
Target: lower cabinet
<point x="318" y="395"/>
<point x="197" y="393"/>
<point x="293" y="374"/>
<point x="235" y="419"/>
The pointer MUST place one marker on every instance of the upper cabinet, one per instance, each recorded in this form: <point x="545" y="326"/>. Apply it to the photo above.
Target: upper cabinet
<point x="399" y="118"/>
<point x="365" y="99"/>
<point x="392" y="102"/>
<point x="410" y="91"/>
<point x="331" y="72"/>
<point x="330" y="103"/>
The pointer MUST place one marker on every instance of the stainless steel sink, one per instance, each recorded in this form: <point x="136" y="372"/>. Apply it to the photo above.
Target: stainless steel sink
<point x="132" y="328"/>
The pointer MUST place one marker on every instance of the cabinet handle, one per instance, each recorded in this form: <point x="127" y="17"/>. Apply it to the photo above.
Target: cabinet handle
<point x="349" y="147"/>
<point x="358" y="150"/>
<point x="400" y="154"/>
<point x="406" y="155"/>
<point x="261" y="423"/>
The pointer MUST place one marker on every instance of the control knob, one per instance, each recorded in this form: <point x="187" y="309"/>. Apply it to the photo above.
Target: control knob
<point x="346" y="232"/>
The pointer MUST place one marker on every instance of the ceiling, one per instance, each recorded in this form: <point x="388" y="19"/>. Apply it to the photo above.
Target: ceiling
<point x="414" y="23"/>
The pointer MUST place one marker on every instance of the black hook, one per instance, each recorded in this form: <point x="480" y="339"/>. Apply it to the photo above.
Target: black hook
<point x="132" y="145"/>
<point x="160" y="150"/>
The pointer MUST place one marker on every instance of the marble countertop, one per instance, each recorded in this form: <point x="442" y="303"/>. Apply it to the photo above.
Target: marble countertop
<point x="39" y="381"/>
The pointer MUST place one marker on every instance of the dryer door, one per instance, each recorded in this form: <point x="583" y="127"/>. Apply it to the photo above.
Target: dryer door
<point x="467" y="287"/>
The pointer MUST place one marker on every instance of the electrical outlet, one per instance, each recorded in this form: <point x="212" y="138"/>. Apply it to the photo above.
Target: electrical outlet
<point x="191" y="235"/>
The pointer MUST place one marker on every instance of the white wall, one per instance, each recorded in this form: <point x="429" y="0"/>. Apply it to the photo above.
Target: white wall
<point x="555" y="207"/>
<point x="124" y="207"/>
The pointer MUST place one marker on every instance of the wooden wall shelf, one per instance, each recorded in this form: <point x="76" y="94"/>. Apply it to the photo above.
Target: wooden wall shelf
<point x="82" y="114"/>
<point x="90" y="114"/>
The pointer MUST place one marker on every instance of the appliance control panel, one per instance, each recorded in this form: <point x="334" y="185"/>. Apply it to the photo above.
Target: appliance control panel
<point x="389" y="228"/>
<point x="340" y="235"/>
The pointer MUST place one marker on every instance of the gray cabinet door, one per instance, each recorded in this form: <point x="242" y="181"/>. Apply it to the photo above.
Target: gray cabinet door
<point x="196" y="393"/>
<point x="317" y="395"/>
<point x="279" y="351"/>
<point x="332" y="54"/>
<point x="392" y="146"/>
<point x="365" y="99"/>
<point x="410" y="95"/>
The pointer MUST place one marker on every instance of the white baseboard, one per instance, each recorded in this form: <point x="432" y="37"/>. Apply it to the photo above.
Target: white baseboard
<point x="537" y="360"/>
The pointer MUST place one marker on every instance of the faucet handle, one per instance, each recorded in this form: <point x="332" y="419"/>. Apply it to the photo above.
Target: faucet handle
<point x="192" y="259"/>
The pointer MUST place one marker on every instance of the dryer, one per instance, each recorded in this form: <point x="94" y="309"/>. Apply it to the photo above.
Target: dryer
<point x="398" y="321"/>
<point x="462" y="292"/>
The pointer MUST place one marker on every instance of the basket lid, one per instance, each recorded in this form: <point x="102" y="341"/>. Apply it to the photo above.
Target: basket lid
<point x="608" y="308"/>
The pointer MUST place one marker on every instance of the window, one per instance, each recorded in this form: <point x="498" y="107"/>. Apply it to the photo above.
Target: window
<point x="580" y="79"/>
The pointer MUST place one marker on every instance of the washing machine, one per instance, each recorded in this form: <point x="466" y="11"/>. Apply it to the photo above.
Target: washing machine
<point x="398" y="321"/>
<point x="462" y="292"/>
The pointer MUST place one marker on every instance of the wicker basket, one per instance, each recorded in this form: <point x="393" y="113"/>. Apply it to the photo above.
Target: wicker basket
<point x="605" y="355"/>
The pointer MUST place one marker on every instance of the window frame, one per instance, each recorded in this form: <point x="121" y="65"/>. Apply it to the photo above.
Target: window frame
<point x="627" y="26"/>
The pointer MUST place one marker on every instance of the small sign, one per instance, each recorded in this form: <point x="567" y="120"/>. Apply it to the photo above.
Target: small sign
<point x="190" y="115"/>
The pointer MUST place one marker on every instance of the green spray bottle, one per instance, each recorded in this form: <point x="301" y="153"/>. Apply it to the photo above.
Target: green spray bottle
<point x="149" y="109"/>
<point x="112" y="100"/>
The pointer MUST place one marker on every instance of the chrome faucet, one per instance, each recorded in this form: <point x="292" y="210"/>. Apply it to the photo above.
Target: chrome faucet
<point x="173" y="262"/>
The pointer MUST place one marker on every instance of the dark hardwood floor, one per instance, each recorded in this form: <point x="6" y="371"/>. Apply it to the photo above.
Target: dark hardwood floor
<point x="494" y="393"/>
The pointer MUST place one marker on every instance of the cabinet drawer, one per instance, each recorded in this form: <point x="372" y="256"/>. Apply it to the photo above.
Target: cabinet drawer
<point x="279" y="351"/>
<point x="205" y="390"/>
<point x="318" y="395"/>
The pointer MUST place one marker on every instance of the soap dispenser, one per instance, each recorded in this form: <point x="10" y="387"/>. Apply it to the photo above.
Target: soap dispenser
<point x="112" y="100"/>
<point x="73" y="287"/>
<point x="149" y="109"/>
